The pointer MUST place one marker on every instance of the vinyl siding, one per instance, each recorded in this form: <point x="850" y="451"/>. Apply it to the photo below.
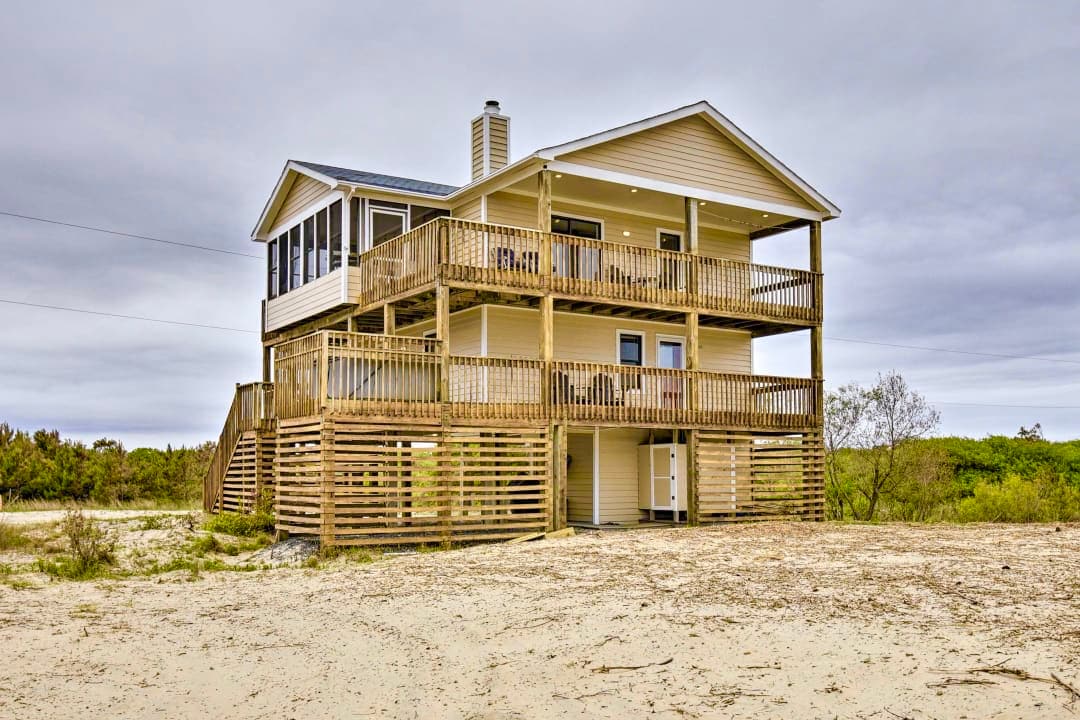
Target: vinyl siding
<point x="477" y="148"/>
<point x="464" y="331"/>
<point x="579" y="478"/>
<point x="304" y="192"/>
<point x="689" y="152"/>
<point x="520" y="211"/>
<point x="468" y="211"/>
<point x="309" y="299"/>
<point x="499" y="128"/>
<point x="515" y="333"/>
<point x="619" y="474"/>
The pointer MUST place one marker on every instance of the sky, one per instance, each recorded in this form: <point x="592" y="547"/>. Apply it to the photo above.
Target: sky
<point x="947" y="132"/>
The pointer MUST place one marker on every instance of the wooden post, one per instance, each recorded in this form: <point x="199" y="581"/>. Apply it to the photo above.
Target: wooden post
<point x="558" y="491"/>
<point x="690" y="208"/>
<point x="389" y="319"/>
<point x="326" y="495"/>
<point x="442" y="334"/>
<point x="817" y="368"/>
<point x="543" y="201"/>
<point x="323" y="367"/>
<point x="693" y="364"/>
<point x="547" y="348"/>
<point x="692" y="500"/>
<point x="266" y="366"/>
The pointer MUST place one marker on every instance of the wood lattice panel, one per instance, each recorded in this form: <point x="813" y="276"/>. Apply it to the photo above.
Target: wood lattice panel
<point x="759" y="476"/>
<point x="358" y="483"/>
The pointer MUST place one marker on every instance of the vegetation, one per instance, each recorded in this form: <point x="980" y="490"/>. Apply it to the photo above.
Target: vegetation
<point x="43" y="467"/>
<point x="879" y="467"/>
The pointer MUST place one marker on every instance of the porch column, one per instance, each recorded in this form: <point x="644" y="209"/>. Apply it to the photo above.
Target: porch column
<point x="389" y="319"/>
<point x="690" y="208"/>
<point x="816" y="364"/>
<point x="543" y="200"/>
<point x="442" y="334"/>
<point x="596" y="475"/>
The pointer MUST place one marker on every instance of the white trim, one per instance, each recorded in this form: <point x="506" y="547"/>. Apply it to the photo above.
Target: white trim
<point x="346" y="229"/>
<point x="369" y="239"/>
<point x="483" y="209"/>
<point x="618" y="355"/>
<point x="298" y="217"/>
<point x="666" y="231"/>
<point x="664" y="338"/>
<point x="722" y="124"/>
<point x="596" y="475"/>
<point x="683" y="190"/>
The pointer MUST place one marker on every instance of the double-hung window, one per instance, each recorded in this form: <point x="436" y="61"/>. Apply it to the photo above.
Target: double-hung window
<point x="631" y="349"/>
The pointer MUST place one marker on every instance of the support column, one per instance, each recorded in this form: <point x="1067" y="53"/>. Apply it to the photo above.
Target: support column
<point x="816" y="363"/>
<point x="442" y="334"/>
<point x="693" y="364"/>
<point x="692" y="488"/>
<point x="326" y="495"/>
<point x="812" y="462"/>
<point x="266" y="365"/>
<point x="690" y="211"/>
<point x="559" y="489"/>
<point x="389" y="319"/>
<point x="547" y="348"/>
<point x="543" y="200"/>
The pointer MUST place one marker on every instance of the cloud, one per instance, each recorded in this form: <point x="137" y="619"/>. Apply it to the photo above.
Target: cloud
<point x="945" y="131"/>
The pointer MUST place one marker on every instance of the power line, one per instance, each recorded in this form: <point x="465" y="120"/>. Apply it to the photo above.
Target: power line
<point x="950" y="350"/>
<point x="126" y="317"/>
<point x="131" y="235"/>
<point x="1019" y="407"/>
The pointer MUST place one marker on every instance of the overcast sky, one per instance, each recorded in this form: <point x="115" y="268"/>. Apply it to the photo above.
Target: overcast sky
<point x="949" y="134"/>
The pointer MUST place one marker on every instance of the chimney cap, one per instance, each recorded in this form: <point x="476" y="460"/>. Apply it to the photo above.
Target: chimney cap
<point x="491" y="106"/>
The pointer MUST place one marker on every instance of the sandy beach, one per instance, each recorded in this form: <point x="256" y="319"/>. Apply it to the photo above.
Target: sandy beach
<point x="766" y="621"/>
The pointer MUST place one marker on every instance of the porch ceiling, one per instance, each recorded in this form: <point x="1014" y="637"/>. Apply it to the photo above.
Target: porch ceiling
<point x="570" y="189"/>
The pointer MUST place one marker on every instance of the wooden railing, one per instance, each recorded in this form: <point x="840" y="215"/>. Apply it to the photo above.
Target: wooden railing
<point x="499" y="256"/>
<point x="252" y="409"/>
<point x="394" y="376"/>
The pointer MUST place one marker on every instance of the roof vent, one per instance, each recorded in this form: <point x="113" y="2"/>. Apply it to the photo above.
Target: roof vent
<point x="490" y="141"/>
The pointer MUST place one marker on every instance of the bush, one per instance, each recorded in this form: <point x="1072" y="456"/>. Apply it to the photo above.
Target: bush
<point x="1046" y="499"/>
<point x="259" y="522"/>
<point x="92" y="549"/>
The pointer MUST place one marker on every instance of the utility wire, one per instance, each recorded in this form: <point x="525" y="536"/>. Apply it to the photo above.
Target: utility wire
<point x="131" y="235"/>
<point x="1019" y="407"/>
<point x="126" y="317"/>
<point x="950" y="350"/>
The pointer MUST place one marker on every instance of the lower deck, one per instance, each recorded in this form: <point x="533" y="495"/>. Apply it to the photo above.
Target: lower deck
<point x="352" y="481"/>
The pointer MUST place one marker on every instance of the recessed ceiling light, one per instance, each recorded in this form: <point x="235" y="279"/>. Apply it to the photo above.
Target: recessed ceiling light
<point x="626" y="233"/>
<point x="557" y="176"/>
<point x="702" y="203"/>
<point x="764" y="214"/>
<point x="633" y="189"/>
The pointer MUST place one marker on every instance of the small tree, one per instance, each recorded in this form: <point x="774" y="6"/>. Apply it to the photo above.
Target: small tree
<point x="876" y="423"/>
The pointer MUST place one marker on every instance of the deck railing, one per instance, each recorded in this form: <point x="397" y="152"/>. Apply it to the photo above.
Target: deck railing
<point x="395" y="376"/>
<point x="504" y="257"/>
<point x="252" y="408"/>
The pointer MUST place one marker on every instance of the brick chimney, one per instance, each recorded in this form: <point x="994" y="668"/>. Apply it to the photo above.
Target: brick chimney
<point x="490" y="141"/>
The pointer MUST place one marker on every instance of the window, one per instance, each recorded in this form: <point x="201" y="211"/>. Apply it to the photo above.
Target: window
<point x="354" y="232"/>
<point x="572" y="260"/>
<point x="309" y="249"/>
<point x="296" y="277"/>
<point x="272" y="269"/>
<point x="322" y="250"/>
<point x="418" y="215"/>
<point x="335" y="235"/>
<point x="283" y="263"/>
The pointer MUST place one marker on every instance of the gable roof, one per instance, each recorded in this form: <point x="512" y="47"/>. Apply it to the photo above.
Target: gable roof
<point x="390" y="182"/>
<point x="718" y="121"/>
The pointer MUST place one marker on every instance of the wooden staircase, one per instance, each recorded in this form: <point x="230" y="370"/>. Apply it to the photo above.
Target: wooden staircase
<point x="243" y="461"/>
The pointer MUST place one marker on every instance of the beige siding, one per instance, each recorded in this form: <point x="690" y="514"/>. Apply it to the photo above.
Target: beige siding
<point x="304" y="192"/>
<point x="515" y="333"/>
<point x="579" y="477"/>
<point x="468" y="211"/>
<point x="520" y="211"/>
<point x="477" y="148"/>
<point x="619" y="474"/>
<point x="689" y="152"/>
<point x="499" y="143"/>
<point x="464" y="331"/>
<point x="307" y="300"/>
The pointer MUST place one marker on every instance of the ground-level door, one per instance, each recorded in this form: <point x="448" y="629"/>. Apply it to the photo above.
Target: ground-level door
<point x="662" y="478"/>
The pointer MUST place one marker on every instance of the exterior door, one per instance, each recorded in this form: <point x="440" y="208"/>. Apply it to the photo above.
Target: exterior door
<point x="671" y="353"/>
<point x="670" y="273"/>
<point x="663" y="468"/>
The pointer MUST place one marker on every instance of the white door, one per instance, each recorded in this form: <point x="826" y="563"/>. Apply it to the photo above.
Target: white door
<point x="671" y="353"/>
<point x="664" y="477"/>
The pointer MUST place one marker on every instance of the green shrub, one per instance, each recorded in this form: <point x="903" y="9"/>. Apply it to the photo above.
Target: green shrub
<point x="1045" y="499"/>
<point x="91" y="549"/>
<point x="13" y="537"/>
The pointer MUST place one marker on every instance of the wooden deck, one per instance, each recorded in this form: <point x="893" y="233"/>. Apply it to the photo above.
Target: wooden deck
<point x="499" y="258"/>
<point x="381" y="376"/>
